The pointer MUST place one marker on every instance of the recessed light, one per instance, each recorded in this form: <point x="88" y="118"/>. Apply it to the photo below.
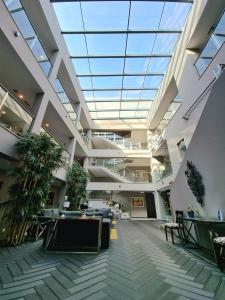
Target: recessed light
<point x="21" y="96"/>
<point x="46" y="124"/>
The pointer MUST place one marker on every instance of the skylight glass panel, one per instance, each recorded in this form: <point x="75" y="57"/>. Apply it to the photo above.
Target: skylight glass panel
<point x="137" y="65"/>
<point x="108" y="15"/>
<point x="106" y="44"/>
<point x="148" y="94"/>
<point x="174" y="15"/>
<point x="158" y="64"/>
<point x="81" y="66"/>
<point x="135" y="94"/>
<point x="141" y="114"/>
<point x="93" y="114"/>
<point x="76" y="44"/>
<point x="165" y="43"/>
<point x="106" y="65"/>
<point x="23" y="23"/>
<point x="69" y="107"/>
<point x="144" y="104"/>
<point x="89" y="95"/>
<point x="69" y="16"/>
<point x="107" y="106"/>
<point x="220" y="28"/>
<point x="58" y="86"/>
<point x="141" y="43"/>
<point x="12" y="5"/>
<point x="73" y="115"/>
<point x="127" y="114"/>
<point x="107" y="95"/>
<point x="107" y="82"/>
<point x="152" y="82"/>
<point x="135" y="82"/>
<point x="129" y="105"/>
<point x="108" y="115"/>
<point x="85" y="83"/>
<point x="145" y="15"/>
<point x="91" y="105"/>
<point x="213" y="45"/>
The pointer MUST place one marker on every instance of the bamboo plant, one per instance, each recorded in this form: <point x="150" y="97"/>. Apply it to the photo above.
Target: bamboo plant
<point x="39" y="156"/>
<point x="77" y="178"/>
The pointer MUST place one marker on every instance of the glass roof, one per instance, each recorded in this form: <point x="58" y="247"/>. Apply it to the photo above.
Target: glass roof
<point x="120" y="51"/>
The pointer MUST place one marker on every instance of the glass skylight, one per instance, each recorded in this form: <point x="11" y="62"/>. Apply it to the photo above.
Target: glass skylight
<point x="121" y="50"/>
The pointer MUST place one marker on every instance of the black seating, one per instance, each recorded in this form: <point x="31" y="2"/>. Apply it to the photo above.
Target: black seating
<point x="219" y="249"/>
<point x="178" y="226"/>
<point x="105" y="236"/>
<point x="72" y="213"/>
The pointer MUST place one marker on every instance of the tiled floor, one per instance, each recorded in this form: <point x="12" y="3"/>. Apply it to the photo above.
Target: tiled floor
<point x="139" y="265"/>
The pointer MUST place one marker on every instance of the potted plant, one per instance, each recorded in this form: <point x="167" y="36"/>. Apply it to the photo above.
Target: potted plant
<point x="39" y="156"/>
<point x="77" y="178"/>
<point x="190" y="211"/>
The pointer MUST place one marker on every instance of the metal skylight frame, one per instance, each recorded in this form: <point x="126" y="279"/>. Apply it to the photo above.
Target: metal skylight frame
<point x="124" y="56"/>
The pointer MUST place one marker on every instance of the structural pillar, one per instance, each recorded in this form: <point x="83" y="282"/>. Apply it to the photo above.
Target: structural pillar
<point x="39" y="109"/>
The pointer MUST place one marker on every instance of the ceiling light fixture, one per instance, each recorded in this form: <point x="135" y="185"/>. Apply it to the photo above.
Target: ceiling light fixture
<point x="46" y="124"/>
<point x="21" y="96"/>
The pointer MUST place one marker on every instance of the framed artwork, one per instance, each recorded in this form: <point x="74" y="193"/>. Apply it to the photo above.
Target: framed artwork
<point x="137" y="201"/>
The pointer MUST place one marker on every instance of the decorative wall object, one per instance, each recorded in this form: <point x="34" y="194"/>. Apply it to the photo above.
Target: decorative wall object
<point x="137" y="201"/>
<point x="194" y="179"/>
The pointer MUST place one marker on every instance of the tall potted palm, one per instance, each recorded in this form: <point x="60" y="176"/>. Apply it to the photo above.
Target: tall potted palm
<point x="39" y="156"/>
<point x="77" y="178"/>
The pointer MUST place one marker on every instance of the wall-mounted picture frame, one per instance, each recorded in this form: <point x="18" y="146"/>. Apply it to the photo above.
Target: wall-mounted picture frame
<point x="137" y="201"/>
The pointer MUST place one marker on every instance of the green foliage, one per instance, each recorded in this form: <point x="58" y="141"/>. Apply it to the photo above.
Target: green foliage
<point x="77" y="179"/>
<point x="194" y="179"/>
<point x="39" y="157"/>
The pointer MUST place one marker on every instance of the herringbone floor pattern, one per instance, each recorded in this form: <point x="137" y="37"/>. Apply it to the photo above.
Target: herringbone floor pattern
<point x="139" y="265"/>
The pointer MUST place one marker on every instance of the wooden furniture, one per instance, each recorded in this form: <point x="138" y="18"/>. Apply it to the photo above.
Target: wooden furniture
<point x="178" y="226"/>
<point x="76" y="234"/>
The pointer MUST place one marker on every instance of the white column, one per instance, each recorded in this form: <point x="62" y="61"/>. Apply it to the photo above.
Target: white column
<point x="39" y="109"/>
<point x="157" y="205"/>
<point x="57" y="58"/>
<point x="71" y="150"/>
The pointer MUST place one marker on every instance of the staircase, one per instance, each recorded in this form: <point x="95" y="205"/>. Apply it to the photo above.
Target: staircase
<point x="103" y="171"/>
<point x="114" y="141"/>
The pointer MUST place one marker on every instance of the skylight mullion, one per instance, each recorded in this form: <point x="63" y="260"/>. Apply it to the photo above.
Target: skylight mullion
<point x="122" y="56"/>
<point x="179" y="1"/>
<point x="119" y="89"/>
<point x="121" y="31"/>
<point x="86" y="46"/>
<point x="120" y="74"/>
<point x="124" y="62"/>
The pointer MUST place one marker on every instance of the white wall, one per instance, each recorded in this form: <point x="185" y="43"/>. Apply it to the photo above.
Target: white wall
<point x="206" y="150"/>
<point x="124" y="198"/>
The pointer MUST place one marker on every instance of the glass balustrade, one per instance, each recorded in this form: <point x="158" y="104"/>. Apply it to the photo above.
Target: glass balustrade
<point x="116" y="165"/>
<point x="12" y="115"/>
<point x="124" y="143"/>
<point x="22" y="21"/>
<point x="161" y="172"/>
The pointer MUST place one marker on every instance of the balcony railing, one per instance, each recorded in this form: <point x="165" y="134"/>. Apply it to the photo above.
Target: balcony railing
<point x="12" y="115"/>
<point x="122" y="142"/>
<point x="161" y="172"/>
<point x="115" y="166"/>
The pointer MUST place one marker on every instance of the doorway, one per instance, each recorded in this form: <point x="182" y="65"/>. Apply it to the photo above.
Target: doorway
<point x="150" y="205"/>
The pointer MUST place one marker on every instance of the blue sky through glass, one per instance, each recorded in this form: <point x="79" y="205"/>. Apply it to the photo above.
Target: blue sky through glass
<point x="121" y="50"/>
